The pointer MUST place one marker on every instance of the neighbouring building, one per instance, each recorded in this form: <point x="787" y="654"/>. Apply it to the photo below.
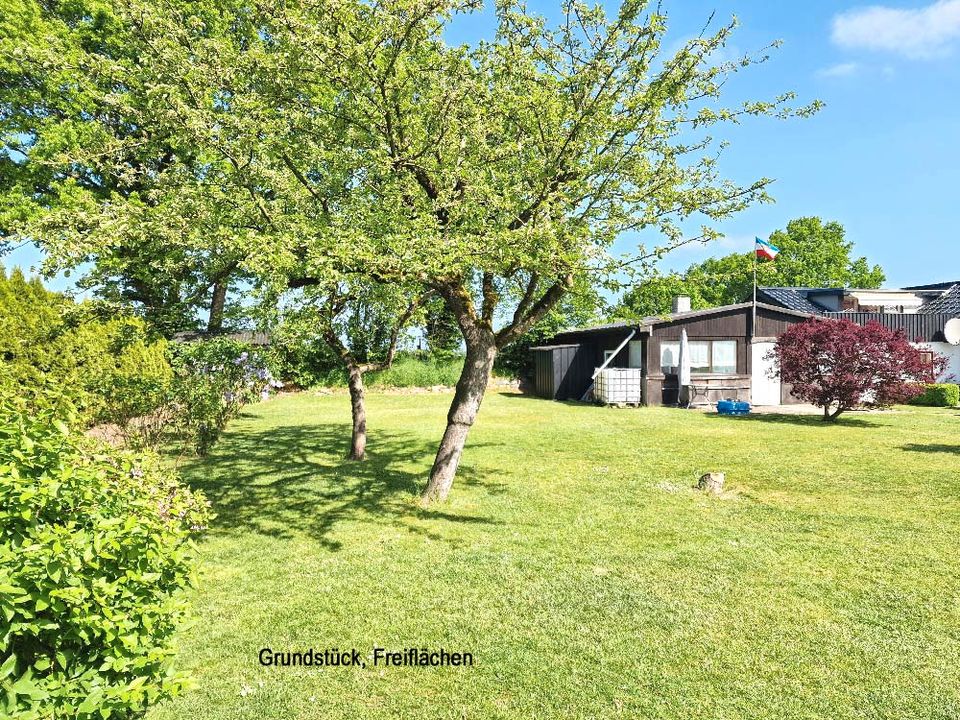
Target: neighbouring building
<point x="638" y="360"/>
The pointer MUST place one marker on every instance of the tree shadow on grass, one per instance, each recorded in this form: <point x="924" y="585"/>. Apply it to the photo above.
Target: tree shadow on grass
<point x="933" y="448"/>
<point x="813" y="421"/>
<point x="290" y="480"/>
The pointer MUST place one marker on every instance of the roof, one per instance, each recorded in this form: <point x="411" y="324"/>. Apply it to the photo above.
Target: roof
<point x="648" y="322"/>
<point x="619" y="325"/>
<point x="946" y="304"/>
<point x="791" y="298"/>
<point x="934" y="286"/>
<point x="246" y="336"/>
<point x="553" y="347"/>
<point x="690" y="314"/>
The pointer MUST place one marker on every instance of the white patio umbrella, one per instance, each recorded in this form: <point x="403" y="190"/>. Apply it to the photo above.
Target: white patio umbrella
<point x="683" y="363"/>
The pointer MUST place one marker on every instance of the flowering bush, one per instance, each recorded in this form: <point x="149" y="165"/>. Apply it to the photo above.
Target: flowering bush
<point x="213" y="379"/>
<point x="95" y="552"/>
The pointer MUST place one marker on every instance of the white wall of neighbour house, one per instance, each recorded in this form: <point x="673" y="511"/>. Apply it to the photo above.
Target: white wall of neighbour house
<point x="952" y="353"/>
<point x="891" y="300"/>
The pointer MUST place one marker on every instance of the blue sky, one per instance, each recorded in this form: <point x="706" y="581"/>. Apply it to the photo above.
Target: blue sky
<point x="883" y="157"/>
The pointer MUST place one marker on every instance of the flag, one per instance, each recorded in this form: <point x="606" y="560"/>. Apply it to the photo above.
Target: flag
<point x="766" y="251"/>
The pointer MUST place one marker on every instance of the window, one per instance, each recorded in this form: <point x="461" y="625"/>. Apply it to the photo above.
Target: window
<point x="669" y="357"/>
<point x="724" y="358"/>
<point x="607" y="354"/>
<point x="636" y="354"/>
<point x="706" y="356"/>
<point x="699" y="357"/>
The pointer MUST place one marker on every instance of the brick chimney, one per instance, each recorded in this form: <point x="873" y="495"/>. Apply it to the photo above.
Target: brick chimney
<point x="681" y="304"/>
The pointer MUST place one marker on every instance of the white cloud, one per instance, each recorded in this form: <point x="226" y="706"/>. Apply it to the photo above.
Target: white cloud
<point x="921" y="33"/>
<point x="840" y="70"/>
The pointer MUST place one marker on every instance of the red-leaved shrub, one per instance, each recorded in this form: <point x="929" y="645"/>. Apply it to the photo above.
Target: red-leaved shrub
<point x="839" y="365"/>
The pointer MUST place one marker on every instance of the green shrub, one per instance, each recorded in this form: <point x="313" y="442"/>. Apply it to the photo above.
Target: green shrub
<point x="110" y="369"/>
<point x="213" y="379"/>
<point x="298" y="355"/>
<point x="124" y="374"/>
<point x="940" y="395"/>
<point x="94" y="554"/>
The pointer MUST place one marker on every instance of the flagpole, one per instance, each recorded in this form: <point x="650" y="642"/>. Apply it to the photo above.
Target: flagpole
<point x="753" y="326"/>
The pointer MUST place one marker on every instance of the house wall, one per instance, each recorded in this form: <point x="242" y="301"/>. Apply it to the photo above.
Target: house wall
<point x="890" y="301"/>
<point x="562" y="372"/>
<point x="952" y="353"/>
<point x="732" y="325"/>
<point x="570" y="378"/>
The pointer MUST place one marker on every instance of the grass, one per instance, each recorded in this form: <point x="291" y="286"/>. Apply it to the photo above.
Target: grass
<point x="577" y="564"/>
<point x="416" y="372"/>
<point x="407" y="371"/>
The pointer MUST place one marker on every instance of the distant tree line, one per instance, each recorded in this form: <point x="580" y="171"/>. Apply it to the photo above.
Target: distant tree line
<point x="813" y="253"/>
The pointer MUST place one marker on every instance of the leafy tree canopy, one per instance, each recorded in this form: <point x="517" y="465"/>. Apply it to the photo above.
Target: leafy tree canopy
<point x="74" y="143"/>
<point x="813" y="253"/>
<point x="349" y="136"/>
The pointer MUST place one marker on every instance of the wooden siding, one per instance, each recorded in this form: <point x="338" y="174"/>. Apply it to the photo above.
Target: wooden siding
<point x="563" y="372"/>
<point x="575" y="370"/>
<point x="923" y="328"/>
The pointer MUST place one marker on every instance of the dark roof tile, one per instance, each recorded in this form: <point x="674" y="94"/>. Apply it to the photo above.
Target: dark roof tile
<point x="790" y="298"/>
<point x="946" y="304"/>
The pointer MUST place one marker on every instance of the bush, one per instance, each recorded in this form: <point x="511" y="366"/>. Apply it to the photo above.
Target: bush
<point x="109" y="369"/>
<point x="838" y="365"/>
<point x="123" y="372"/>
<point x="301" y="357"/>
<point x="94" y="554"/>
<point x="213" y="379"/>
<point x="942" y="395"/>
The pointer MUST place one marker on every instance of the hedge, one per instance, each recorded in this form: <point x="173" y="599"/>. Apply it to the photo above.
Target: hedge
<point x="941" y="395"/>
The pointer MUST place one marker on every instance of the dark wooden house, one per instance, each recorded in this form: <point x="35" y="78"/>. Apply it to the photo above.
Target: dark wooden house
<point x="728" y="356"/>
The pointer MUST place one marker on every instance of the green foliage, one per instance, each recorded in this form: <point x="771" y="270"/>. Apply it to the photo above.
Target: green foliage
<point x="309" y="139"/>
<point x="440" y="330"/>
<point x="414" y="371"/>
<point x="409" y="370"/>
<point x="110" y="369"/>
<point x="298" y="354"/>
<point x="812" y="254"/>
<point x="119" y="370"/>
<point x="939" y="395"/>
<point x="272" y="148"/>
<point x="576" y="309"/>
<point x="94" y="554"/>
<point x="213" y="380"/>
<point x="53" y="61"/>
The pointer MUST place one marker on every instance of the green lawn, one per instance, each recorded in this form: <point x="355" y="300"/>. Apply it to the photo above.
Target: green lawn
<point x="577" y="564"/>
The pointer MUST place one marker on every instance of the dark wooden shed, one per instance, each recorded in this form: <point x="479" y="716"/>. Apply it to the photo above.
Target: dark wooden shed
<point x="562" y="371"/>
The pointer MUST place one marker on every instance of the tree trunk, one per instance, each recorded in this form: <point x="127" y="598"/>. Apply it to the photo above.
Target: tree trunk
<point x="217" y="303"/>
<point x="481" y="352"/>
<point x="358" y="443"/>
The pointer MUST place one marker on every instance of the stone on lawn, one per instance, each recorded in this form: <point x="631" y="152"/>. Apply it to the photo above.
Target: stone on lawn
<point x="712" y="482"/>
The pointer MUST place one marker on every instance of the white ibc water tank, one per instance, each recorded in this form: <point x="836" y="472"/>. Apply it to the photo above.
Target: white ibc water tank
<point x="619" y="385"/>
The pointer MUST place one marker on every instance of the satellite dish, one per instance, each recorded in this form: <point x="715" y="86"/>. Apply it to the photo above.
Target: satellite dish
<point x="951" y="331"/>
